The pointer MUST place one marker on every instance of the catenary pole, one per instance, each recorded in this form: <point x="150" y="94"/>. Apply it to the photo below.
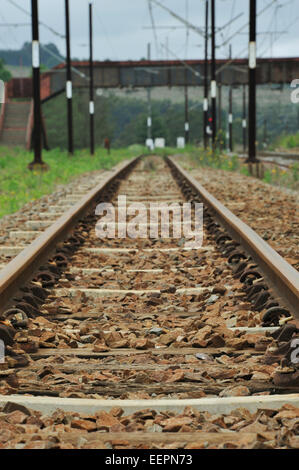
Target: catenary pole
<point x="149" y="101"/>
<point x="213" y="76"/>
<point x="230" y="113"/>
<point x="187" y="125"/>
<point x="244" y="120"/>
<point x="206" y="88"/>
<point x="91" y="83"/>
<point x="252" y="85"/>
<point x="69" y="87"/>
<point x="37" y="126"/>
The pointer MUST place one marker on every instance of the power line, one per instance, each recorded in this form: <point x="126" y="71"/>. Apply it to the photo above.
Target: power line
<point x="150" y="7"/>
<point x="179" y="18"/>
<point x="187" y="29"/>
<point x="49" y="28"/>
<point x="105" y="31"/>
<point x="217" y="29"/>
<point x="13" y="25"/>
<point x="165" y="27"/>
<point x="280" y="34"/>
<point x="246" y="47"/>
<point x="45" y="48"/>
<point x="12" y="34"/>
<point x="195" y="72"/>
<point x="227" y="41"/>
<point x="63" y="59"/>
<point x="49" y="51"/>
<point x="231" y="15"/>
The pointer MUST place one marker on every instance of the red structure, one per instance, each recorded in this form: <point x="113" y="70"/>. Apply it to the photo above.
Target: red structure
<point x="16" y="118"/>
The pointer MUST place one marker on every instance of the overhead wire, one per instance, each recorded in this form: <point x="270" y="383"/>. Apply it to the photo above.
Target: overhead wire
<point x="228" y="40"/>
<point x="9" y="28"/>
<point x="279" y="35"/>
<point x="195" y="72"/>
<point x="230" y="61"/>
<point x="26" y="12"/>
<point x="49" y="51"/>
<point x="187" y="29"/>
<point x="150" y="8"/>
<point x="104" y="30"/>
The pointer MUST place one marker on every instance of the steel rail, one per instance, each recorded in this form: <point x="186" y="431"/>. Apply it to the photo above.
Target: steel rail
<point x="22" y="268"/>
<point x="287" y="156"/>
<point x="282" y="277"/>
<point x="269" y="162"/>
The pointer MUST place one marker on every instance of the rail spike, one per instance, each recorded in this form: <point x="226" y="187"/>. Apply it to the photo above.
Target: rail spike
<point x="273" y="315"/>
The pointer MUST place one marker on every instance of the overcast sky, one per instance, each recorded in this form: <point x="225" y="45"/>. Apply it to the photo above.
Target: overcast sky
<point x="120" y="35"/>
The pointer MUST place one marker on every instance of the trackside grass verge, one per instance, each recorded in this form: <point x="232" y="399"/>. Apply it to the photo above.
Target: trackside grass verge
<point x="273" y="175"/>
<point x="18" y="185"/>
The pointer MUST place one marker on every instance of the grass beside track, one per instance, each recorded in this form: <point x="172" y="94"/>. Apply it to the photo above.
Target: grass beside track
<point x="288" y="142"/>
<point x="273" y="175"/>
<point x="18" y="185"/>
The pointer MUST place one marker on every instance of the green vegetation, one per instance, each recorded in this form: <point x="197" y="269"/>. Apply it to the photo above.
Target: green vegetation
<point x="5" y="75"/>
<point x="18" y="185"/>
<point x="272" y="175"/>
<point x="289" y="141"/>
<point x="24" y="55"/>
<point x="217" y="160"/>
<point x="122" y="120"/>
<point x="283" y="177"/>
<point x="55" y="113"/>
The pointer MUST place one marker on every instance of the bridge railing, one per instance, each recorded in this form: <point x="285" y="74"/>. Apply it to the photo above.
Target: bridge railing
<point x="19" y="88"/>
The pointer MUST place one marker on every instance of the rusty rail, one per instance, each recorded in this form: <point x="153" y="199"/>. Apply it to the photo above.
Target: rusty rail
<point x="269" y="162"/>
<point x="282" y="277"/>
<point x="21" y="269"/>
<point x="288" y="156"/>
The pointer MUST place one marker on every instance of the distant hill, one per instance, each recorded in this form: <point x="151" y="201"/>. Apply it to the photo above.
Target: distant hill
<point x="23" y="56"/>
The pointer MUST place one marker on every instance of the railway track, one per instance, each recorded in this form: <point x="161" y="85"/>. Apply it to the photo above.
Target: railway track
<point x="154" y="343"/>
<point x="26" y="225"/>
<point x="284" y="160"/>
<point x="285" y="155"/>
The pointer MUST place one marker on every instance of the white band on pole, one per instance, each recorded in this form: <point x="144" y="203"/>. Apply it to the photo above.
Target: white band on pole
<point x="230" y="118"/>
<point x="205" y="104"/>
<point x="149" y="122"/>
<point x="244" y="123"/>
<point x="252" y="55"/>
<point x="213" y="89"/>
<point x="69" y="89"/>
<point x="35" y="54"/>
<point x="186" y="126"/>
<point x="91" y="107"/>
